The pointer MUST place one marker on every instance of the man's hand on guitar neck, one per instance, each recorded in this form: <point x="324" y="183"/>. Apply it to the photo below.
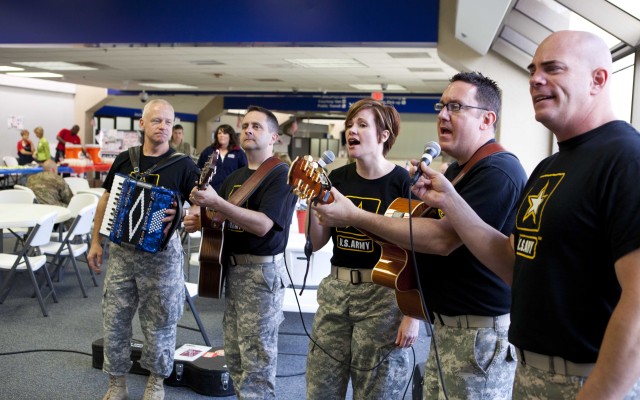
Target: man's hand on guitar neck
<point x="341" y="212"/>
<point x="205" y="198"/>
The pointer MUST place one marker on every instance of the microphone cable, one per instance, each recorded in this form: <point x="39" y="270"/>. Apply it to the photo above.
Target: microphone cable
<point x="429" y="324"/>
<point x="309" y="248"/>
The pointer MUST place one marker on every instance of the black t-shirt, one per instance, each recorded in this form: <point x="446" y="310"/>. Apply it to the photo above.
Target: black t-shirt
<point x="275" y="198"/>
<point x="180" y="177"/>
<point x="351" y="248"/>
<point x="459" y="284"/>
<point x="578" y="216"/>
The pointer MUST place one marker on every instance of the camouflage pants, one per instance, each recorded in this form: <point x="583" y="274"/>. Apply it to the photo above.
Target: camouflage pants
<point x="253" y="313"/>
<point x="476" y="364"/>
<point x="357" y="325"/>
<point x="534" y="384"/>
<point x="155" y="282"/>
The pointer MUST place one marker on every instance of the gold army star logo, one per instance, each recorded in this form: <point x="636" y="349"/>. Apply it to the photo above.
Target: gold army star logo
<point x="535" y="201"/>
<point x="532" y="208"/>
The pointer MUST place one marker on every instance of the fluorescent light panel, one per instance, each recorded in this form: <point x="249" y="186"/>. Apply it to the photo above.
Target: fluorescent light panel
<point x="325" y="62"/>
<point x="6" y="68"/>
<point x="35" y="74"/>
<point x="168" y="85"/>
<point x="54" y="65"/>
<point x="376" y="86"/>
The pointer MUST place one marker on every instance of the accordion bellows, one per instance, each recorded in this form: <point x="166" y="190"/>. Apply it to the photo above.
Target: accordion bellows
<point x="134" y="214"/>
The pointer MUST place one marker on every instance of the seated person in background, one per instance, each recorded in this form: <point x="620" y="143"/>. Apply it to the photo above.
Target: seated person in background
<point x="49" y="187"/>
<point x="25" y="148"/>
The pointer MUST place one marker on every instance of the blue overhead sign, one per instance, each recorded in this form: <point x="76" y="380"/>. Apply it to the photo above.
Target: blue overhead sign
<point x="328" y="103"/>
<point x="256" y="23"/>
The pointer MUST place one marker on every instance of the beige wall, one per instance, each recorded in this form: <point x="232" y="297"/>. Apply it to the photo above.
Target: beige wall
<point x="518" y="130"/>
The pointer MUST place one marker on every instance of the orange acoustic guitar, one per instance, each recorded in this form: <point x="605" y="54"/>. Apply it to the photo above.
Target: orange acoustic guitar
<point x="394" y="269"/>
<point x="212" y="241"/>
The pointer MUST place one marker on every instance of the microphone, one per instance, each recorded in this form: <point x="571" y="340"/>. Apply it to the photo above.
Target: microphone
<point x="327" y="158"/>
<point x="431" y="151"/>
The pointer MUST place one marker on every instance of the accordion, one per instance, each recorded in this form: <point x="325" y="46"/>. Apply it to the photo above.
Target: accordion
<point x="134" y="214"/>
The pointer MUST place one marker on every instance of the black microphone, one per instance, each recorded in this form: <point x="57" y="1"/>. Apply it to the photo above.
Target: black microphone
<point x="326" y="158"/>
<point x="431" y="151"/>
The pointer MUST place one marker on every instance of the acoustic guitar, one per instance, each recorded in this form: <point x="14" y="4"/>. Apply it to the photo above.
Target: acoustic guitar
<point x="211" y="257"/>
<point x="394" y="269"/>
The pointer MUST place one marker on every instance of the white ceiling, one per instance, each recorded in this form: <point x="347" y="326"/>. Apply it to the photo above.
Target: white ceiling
<point x="513" y="31"/>
<point x="239" y="69"/>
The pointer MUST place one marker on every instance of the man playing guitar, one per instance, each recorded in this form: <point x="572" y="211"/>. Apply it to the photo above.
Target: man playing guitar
<point x="469" y="303"/>
<point x="255" y="239"/>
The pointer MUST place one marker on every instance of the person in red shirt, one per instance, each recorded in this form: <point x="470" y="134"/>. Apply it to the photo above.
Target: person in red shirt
<point x="66" y="136"/>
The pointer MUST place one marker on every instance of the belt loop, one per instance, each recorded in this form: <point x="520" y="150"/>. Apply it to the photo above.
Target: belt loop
<point x="232" y="260"/>
<point x="552" y="367"/>
<point x="440" y="319"/>
<point x="459" y="321"/>
<point x="523" y="360"/>
<point x="355" y="273"/>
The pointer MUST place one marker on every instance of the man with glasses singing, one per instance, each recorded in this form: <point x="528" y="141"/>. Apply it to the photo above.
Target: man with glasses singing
<point x="469" y="304"/>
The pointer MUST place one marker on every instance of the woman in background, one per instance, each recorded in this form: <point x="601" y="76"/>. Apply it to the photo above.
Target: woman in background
<point x="43" y="152"/>
<point x="25" y="148"/>
<point x="230" y="158"/>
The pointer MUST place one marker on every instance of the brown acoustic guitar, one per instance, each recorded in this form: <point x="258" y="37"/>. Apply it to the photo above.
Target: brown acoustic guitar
<point x="211" y="258"/>
<point x="395" y="268"/>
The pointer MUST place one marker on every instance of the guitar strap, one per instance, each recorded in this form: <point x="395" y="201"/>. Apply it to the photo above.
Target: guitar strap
<point x="250" y="185"/>
<point x="481" y="153"/>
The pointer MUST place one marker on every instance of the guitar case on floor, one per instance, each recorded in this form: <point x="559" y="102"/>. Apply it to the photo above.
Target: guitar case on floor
<point x="206" y="375"/>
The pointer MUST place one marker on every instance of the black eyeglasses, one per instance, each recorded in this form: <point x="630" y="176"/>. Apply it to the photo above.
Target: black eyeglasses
<point x="454" y="107"/>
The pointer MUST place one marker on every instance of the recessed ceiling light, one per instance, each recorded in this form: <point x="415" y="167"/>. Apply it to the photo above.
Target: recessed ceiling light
<point x="168" y="85"/>
<point x="6" y="68"/>
<point x="54" y="65"/>
<point x="326" y="62"/>
<point x="376" y="86"/>
<point x="35" y="74"/>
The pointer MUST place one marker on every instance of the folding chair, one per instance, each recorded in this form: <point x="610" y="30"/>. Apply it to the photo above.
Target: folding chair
<point x="23" y="262"/>
<point x="76" y="183"/>
<point x="65" y="251"/>
<point x="17" y="195"/>
<point x="11" y="161"/>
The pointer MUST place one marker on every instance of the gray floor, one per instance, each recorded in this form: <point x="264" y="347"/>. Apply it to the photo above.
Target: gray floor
<point x="64" y="369"/>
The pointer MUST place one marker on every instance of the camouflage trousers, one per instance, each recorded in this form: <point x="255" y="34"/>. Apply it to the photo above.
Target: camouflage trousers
<point x="534" y="384"/>
<point x="254" y="296"/>
<point x="477" y="363"/>
<point x="357" y="325"/>
<point x="155" y="283"/>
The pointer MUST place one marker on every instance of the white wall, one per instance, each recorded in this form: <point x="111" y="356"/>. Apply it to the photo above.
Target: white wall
<point x="51" y="107"/>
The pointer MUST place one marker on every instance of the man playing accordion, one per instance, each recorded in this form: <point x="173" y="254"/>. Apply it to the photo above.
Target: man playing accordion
<point x="153" y="284"/>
